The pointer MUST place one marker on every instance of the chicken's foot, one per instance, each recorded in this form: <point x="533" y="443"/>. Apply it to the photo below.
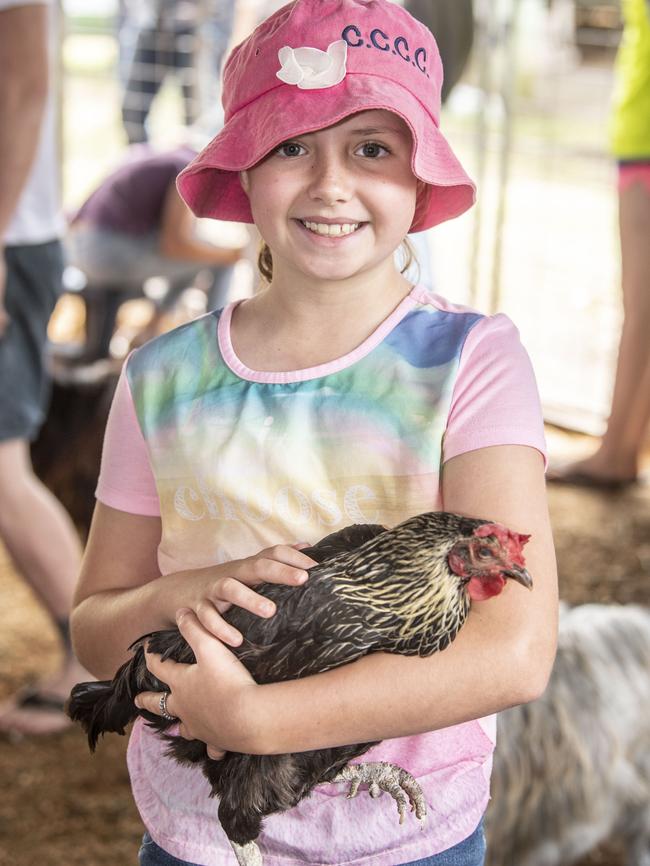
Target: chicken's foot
<point x="381" y="776"/>
<point x="248" y="854"/>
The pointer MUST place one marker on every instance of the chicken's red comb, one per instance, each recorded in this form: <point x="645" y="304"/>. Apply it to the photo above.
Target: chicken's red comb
<point x="513" y="542"/>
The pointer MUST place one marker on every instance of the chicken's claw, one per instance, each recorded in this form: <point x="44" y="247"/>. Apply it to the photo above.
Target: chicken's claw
<point x="381" y="776"/>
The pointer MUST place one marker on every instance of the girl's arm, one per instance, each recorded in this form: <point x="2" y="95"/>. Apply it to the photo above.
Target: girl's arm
<point x="501" y="657"/>
<point x="121" y="595"/>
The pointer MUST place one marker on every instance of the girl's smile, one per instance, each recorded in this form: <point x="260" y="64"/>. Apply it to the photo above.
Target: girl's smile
<point x="323" y="231"/>
<point x="336" y="203"/>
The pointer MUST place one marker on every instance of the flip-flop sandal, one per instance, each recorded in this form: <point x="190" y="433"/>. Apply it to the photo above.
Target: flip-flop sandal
<point x="31" y="698"/>
<point x="577" y="478"/>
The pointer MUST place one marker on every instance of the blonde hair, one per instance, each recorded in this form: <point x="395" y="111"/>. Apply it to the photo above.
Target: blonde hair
<point x="265" y="259"/>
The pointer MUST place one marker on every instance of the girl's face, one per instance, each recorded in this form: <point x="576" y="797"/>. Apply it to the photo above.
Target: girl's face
<point x="337" y="202"/>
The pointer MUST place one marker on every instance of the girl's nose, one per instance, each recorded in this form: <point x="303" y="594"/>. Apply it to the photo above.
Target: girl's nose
<point x="330" y="182"/>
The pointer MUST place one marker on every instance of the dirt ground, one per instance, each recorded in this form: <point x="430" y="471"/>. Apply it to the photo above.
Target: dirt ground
<point x="61" y="806"/>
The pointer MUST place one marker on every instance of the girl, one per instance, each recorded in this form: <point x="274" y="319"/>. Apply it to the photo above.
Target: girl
<point x="339" y="393"/>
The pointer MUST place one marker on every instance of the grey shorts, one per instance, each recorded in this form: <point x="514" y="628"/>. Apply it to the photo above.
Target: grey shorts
<point x="32" y="288"/>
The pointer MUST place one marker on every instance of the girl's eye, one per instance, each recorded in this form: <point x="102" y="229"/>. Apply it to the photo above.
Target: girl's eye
<point x="290" y="148"/>
<point x="372" y="149"/>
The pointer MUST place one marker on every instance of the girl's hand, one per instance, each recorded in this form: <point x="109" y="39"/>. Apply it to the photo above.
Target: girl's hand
<point x="232" y="584"/>
<point x="212" y="698"/>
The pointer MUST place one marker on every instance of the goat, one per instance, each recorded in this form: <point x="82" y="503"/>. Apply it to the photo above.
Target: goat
<point x="572" y="769"/>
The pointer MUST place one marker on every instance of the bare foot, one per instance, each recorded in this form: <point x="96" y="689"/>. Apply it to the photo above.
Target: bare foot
<point x="38" y="709"/>
<point x="595" y="471"/>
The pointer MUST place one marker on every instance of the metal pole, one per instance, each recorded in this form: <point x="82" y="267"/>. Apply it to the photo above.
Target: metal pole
<point x="507" y="93"/>
<point x="484" y="18"/>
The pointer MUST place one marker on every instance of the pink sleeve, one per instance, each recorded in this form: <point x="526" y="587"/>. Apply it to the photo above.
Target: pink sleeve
<point x="495" y="399"/>
<point x="126" y="481"/>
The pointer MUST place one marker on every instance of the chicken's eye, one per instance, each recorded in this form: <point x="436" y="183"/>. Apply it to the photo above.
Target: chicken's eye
<point x="484" y="552"/>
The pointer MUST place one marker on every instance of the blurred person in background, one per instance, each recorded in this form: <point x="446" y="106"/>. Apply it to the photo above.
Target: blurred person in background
<point x="34" y="528"/>
<point x="135" y="226"/>
<point x="615" y="464"/>
<point x="162" y="37"/>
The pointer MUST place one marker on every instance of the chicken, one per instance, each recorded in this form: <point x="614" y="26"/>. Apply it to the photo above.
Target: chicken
<point x="404" y="590"/>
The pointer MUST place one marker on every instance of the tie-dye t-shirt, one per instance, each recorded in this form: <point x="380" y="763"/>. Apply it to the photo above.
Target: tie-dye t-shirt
<point x="234" y="460"/>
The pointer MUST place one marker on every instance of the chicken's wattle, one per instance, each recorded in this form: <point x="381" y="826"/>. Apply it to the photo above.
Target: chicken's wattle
<point x="482" y="588"/>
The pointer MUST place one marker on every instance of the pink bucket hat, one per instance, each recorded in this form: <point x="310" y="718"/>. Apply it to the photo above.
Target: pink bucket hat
<point x="308" y="66"/>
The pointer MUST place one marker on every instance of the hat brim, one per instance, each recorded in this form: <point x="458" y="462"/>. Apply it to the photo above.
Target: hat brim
<point x="210" y="184"/>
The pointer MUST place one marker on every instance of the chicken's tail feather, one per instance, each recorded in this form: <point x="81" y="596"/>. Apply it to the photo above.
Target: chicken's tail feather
<point x="100" y="709"/>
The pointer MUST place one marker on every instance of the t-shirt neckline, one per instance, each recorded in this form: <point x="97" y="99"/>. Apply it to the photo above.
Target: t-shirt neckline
<point x="244" y="372"/>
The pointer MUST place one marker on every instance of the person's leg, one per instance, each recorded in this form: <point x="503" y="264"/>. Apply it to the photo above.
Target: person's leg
<point x="36" y="531"/>
<point x="144" y="79"/>
<point x="44" y="547"/>
<point x="628" y="421"/>
<point x="617" y="458"/>
<point x="184" y="59"/>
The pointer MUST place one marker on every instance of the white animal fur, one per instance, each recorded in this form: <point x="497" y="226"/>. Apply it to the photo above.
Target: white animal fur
<point x="572" y="769"/>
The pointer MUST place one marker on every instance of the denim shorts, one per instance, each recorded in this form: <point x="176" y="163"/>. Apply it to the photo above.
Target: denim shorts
<point x="470" y="852"/>
<point x="32" y="289"/>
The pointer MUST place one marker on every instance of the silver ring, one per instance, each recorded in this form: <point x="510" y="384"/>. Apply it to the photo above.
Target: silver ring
<point x="164" y="712"/>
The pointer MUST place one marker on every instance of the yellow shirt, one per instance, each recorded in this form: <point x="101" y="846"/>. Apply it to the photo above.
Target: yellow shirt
<point x="630" y="122"/>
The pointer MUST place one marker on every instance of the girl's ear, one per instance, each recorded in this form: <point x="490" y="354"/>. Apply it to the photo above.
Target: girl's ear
<point x="245" y="181"/>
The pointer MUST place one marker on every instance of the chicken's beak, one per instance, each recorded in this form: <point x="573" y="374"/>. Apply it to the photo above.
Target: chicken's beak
<point x="521" y="575"/>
